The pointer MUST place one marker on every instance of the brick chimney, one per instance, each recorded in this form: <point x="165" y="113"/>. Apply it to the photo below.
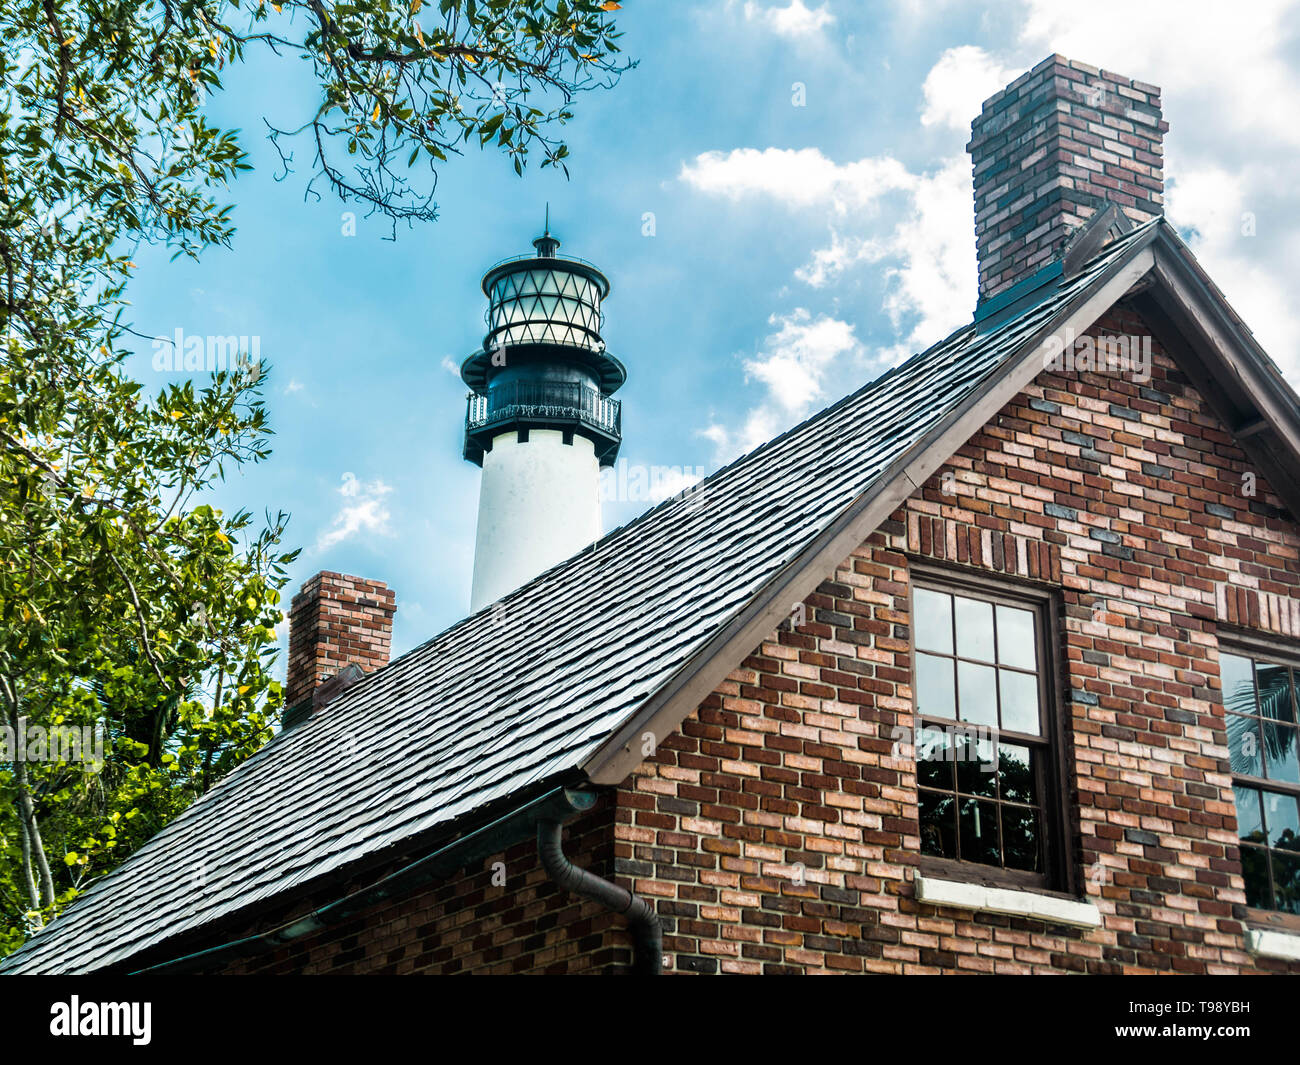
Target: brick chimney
<point x="336" y="621"/>
<point x="1051" y="149"/>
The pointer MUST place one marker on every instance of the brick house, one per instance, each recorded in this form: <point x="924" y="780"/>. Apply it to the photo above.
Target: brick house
<point x="989" y="667"/>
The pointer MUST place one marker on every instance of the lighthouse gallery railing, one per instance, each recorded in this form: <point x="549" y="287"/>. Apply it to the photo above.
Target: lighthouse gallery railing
<point x="546" y="400"/>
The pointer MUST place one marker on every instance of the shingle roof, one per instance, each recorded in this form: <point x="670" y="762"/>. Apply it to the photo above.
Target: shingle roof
<point x="520" y="692"/>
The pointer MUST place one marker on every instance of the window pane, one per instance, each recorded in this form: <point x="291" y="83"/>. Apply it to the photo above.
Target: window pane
<point x="934" y="687"/>
<point x="979" y="832"/>
<point x="933" y="621"/>
<point x="1286" y="881"/>
<point x="1016" y="774"/>
<point x="1020" y="838"/>
<point x="1274" y="686"/>
<point x="1250" y="826"/>
<point x="934" y="767"/>
<point x="1244" y="753"/>
<point x="1254" y="869"/>
<point x="1238" y="687"/>
<point x="1280" y="752"/>
<point x="977" y="692"/>
<point x="1283" y="825"/>
<point x="974" y="629"/>
<point x="1019" y="702"/>
<point x="938" y="824"/>
<point x="976" y="766"/>
<point x="1016" y="638"/>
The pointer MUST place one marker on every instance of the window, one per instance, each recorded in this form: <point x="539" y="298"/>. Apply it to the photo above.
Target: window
<point x="987" y="743"/>
<point x="1259" y="700"/>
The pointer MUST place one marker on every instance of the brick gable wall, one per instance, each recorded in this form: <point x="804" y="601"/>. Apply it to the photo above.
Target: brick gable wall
<point x="1127" y="499"/>
<point x="776" y="829"/>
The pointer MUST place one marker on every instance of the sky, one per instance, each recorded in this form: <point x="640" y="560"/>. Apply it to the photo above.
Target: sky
<point x="780" y="196"/>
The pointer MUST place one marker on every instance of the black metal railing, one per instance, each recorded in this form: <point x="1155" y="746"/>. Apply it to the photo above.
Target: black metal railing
<point x="545" y="401"/>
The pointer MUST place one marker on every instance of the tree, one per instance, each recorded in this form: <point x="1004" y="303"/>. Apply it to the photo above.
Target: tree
<point x="132" y="614"/>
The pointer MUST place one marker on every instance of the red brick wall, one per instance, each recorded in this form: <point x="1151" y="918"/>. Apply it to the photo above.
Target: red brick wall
<point x="1047" y="150"/>
<point x="469" y="923"/>
<point x="777" y="832"/>
<point x="336" y="621"/>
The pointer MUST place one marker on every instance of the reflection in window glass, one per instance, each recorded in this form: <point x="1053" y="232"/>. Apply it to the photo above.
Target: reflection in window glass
<point x="935" y="692"/>
<point x="976" y="674"/>
<point x="1019" y="702"/>
<point x="974" y="629"/>
<point x="1016" y="644"/>
<point x="1250" y="823"/>
<point x="938" y="824"/>
<point x="979" y="832"/>
<point x="1259" y="698"/>
<point x="1236" y="676"/>
<point x="932" y="621"/>
<point x="977" y="693"/>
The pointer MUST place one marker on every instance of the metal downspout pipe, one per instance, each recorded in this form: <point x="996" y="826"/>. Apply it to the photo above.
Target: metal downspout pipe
<point x="647" y="933"/>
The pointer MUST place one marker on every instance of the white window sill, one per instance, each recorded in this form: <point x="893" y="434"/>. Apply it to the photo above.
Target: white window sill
<point x="1264" y="944"/>
<point x="1007" y="901"/>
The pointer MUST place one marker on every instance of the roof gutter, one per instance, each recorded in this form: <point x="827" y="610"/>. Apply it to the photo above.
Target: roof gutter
<point x="552" y="809"/>
<point x="647" y="933"/>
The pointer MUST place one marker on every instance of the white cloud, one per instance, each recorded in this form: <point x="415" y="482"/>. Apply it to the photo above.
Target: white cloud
<point x="794" y="21"/>
<point x="962" y="79"/>
<point x="929" y="255"/>
<point x="451" y="366"/>
<point x="363" y="510"/>
<point x="798" y="360"/>
<point x="1212" y="205"/>
<point x="1229" y="93"/>
<point x="293" y="386"/>
<point x="800" y="177"/>
<point x="933" y="279"/>
<point x="1208" y="55"/>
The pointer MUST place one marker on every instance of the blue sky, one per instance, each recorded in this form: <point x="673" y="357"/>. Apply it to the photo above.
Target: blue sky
<point x="802" y="243"/>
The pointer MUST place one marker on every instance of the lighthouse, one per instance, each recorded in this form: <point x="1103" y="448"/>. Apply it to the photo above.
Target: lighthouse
<point x="542" y="419"/>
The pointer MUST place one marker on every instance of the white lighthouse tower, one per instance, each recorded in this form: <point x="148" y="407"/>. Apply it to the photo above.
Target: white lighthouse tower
<point x="541" y="420"/>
